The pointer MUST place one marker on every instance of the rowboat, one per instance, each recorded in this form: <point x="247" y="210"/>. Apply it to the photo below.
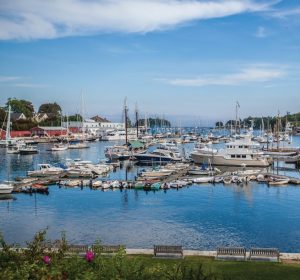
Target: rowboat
<point x="203" y="179"/>
<point x="278" y="182"/>
<point x="227" y="180"/>
<point x="155" y="186"/>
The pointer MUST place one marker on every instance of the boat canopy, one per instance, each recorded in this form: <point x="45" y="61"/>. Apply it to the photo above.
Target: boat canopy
<point x="135" y="144"/>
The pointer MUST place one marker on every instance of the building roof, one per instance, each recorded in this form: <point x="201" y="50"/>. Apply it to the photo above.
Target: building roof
<point x="100" y="119"/>
<point x="17" y="116"/>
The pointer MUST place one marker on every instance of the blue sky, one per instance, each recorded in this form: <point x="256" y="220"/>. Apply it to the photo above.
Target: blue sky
<point x="187" y="60"/>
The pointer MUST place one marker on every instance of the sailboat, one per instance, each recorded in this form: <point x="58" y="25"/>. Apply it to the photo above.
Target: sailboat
<point x="80" y="143"/>
<point x="6" y="188"/>
<point x="8" y="141"/>
<point x="60" y="146"/>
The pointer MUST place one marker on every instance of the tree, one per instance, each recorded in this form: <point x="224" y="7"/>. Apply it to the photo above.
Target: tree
<point x="157" y="122"/>
<point x="2" y="115"/>
<point x="73" y="118"/>
<point x="219" y="124"/>
<point x="21" y="106"/>
<point x="52" y="108"/>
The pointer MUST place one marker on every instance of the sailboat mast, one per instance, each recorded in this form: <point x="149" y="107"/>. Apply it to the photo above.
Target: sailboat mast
<point x="278" y="137"/>
<point x="8" y="125"/>
<point x="236" y="114"/>
<point x="126" y="118"/>
<point x="82" y="115"/>
<point x="137" y="120"/>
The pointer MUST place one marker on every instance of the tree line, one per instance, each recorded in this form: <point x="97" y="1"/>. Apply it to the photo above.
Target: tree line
<point x="21" y="106"/>
<point x="268" y="122"/>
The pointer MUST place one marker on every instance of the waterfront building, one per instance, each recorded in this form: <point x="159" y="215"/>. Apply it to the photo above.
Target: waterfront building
<point x="48" y="131"/>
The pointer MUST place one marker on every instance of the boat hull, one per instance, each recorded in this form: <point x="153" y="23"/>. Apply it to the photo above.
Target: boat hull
<point x="220" y="160"/>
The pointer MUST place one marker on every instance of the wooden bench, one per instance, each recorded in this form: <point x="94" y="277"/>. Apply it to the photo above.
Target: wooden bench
<point x="168" y="251"/>
<point x="77" y="249"/>
<point x="264" y="253"/>
<point x="106" y="249"/>
<point x="231" y="253"/>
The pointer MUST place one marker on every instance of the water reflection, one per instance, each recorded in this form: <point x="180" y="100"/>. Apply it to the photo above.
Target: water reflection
<point x="199" y="217"/>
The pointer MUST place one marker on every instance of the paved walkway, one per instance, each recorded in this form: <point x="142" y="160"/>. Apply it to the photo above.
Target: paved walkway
<point x="285" y="256"/>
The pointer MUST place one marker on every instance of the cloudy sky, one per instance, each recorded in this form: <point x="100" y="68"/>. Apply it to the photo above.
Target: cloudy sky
<point x="190" y="60"/>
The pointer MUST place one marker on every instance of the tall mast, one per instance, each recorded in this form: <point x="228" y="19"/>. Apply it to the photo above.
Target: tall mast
<point x="8" y="125"/>
<point x="126" y="118"/>
<point x="236" y="116"/>
<point x="137" y="120"/>
<point x="82" y="114"/>
<point x="278" y="132"/>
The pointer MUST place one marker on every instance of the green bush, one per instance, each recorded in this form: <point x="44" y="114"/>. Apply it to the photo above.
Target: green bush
<point x="17" y="263"/>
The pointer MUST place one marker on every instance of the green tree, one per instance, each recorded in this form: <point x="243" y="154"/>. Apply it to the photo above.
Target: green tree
<point x="2" y="115"/>
<point x="52" y="108"/>
<point x="73" y="118"/>
<point x="21" y="106"/>
<point x="157" y="122"/>
<point x="219" y="124"/>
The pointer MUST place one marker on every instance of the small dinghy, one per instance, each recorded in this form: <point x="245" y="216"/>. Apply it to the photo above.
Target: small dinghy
<point x="278" y="182"/>
<point x="203" y="180"/>
<point x="227" y="180"/>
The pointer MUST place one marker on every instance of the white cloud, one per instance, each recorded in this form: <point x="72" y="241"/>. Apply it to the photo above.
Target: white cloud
<point x="22" y="85"/>
<point x="37" y="19"/>
<point x="261" y="32"/>
<point x="247" y="75"/>
<point x="286" y="13"/>
<point x="8" y="78"/>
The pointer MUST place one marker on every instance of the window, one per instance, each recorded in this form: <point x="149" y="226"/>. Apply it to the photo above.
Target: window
<point x="243" y="156"/>
<point x="238" y="156"/>
<point x="232" y="156"/>
<point x="240" y="147"/>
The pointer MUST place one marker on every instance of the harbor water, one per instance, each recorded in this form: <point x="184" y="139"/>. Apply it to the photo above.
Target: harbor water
<point x="200" y="217"/>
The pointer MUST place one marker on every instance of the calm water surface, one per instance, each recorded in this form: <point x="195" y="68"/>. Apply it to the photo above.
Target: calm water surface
<point x="198" y="217"/>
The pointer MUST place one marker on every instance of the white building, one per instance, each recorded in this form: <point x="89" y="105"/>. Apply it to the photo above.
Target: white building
<point x="91" y="126"/>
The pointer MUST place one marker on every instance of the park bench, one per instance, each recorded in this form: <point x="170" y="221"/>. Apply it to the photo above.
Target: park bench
<point x="168" y="251"/>
<point x="264" y="254"/>
<point x="106" y="249"/>
<point x="231" y="253"/>
<point x="77" y="249"/>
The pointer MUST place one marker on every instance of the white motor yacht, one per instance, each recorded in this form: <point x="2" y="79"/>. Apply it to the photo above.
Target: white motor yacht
<point x="242" y="152"/>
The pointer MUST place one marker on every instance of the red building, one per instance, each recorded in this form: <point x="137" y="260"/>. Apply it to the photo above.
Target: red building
<point x="48" y="131"/>
<point x="15" y="133"/>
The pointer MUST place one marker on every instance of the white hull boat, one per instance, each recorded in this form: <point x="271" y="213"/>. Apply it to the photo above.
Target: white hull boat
<point x="6" y="188"/>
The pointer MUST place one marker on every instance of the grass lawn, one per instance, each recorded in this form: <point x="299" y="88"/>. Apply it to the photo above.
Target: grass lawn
<point x="237" y="269"/>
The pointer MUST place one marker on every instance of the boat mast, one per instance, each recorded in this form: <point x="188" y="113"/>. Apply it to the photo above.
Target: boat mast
<point x="126" y="117"/>
<point x="278" y="138"/>
<point x="82" y="116"/>
<point x="137" y="120"/>
<point x="7" y="137"/>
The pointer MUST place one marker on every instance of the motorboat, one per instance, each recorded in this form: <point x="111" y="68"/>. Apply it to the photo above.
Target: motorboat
<point x="118" y="135"/>
<point x="117" y="153"/>
<point x="28" y="150"/>
<point x="240" y="152"/>
<point x="59" y="147"/>
<point x="6" y="188"/>
<point x="46" y="169"/>
<point x="78" y="145"/>
<point x="157" y="156"/>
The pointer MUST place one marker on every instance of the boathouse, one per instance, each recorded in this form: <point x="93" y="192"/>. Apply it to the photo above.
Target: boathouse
<point x="15" y="133"/>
